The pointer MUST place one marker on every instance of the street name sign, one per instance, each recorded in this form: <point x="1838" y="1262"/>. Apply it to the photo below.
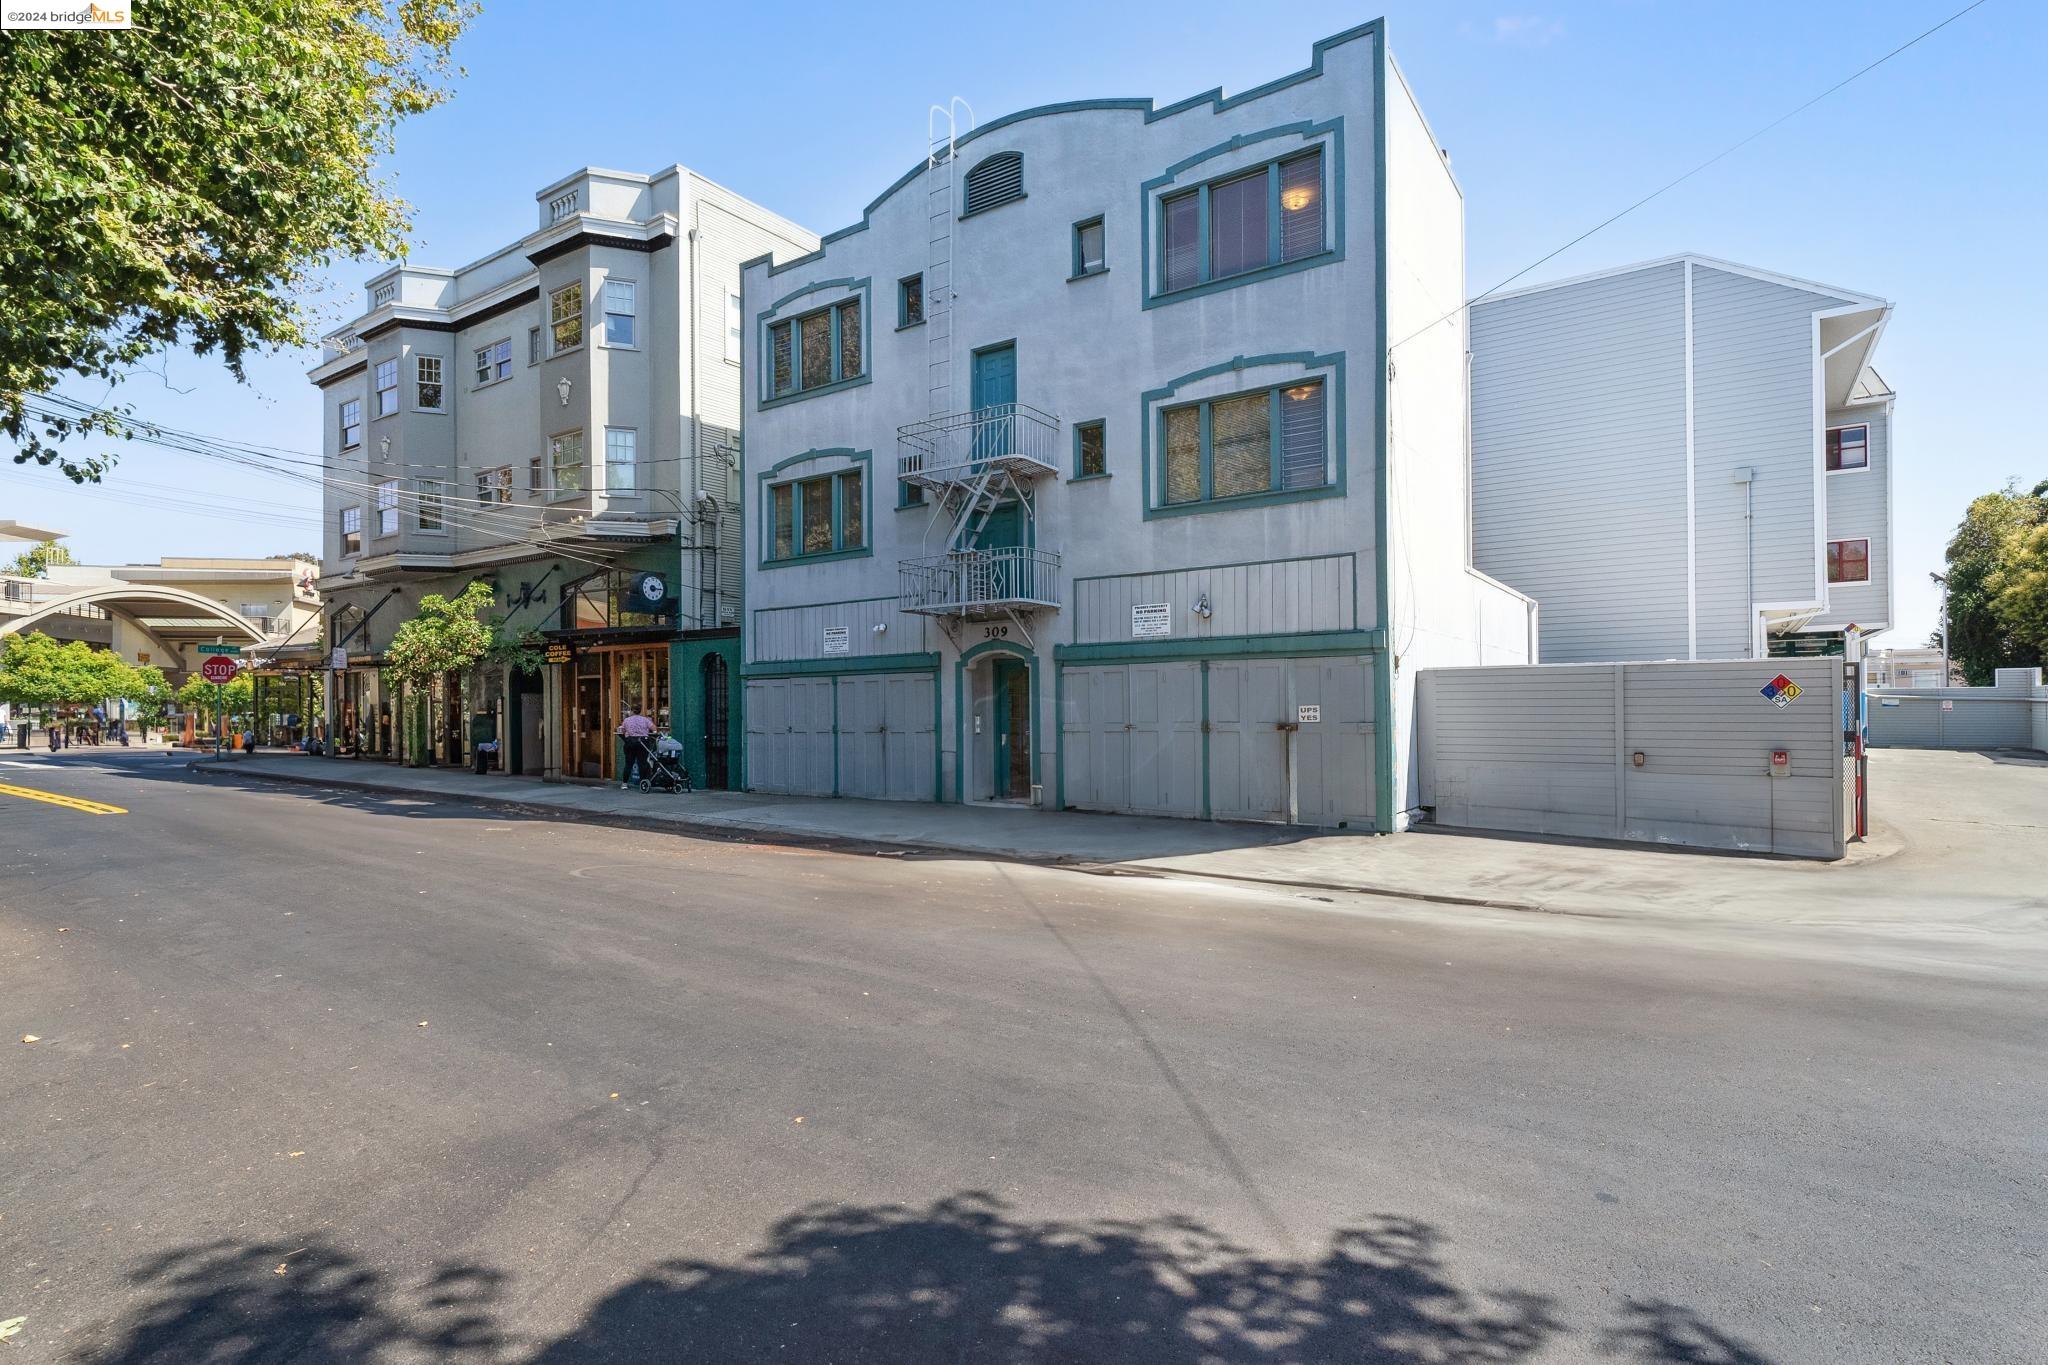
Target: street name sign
<point x="220" y="649"/>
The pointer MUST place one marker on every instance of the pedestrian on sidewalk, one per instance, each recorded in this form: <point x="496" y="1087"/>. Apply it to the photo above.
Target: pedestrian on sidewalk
<point x="635" y="731"/>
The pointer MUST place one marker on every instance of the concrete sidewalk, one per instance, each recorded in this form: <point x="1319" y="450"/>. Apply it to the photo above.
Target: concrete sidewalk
<point x="1938" y="865"/>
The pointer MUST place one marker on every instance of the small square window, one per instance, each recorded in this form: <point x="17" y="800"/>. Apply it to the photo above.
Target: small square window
<point x="494" y="362"/>
<point x="1848" y="448"/>
<point x="910" y="301"/>
<point x="1091" y="453"/>
<point x="1089" y="258"/>
<point x="1848" y="561"/>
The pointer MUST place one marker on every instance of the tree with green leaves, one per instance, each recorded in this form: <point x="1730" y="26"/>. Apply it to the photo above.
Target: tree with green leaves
<point x="36" y="560"/>
<point x="448" y="634"/>
<point x="1984" y="562"/>
<point x="198" y="696"/>
<point x="184" y="182"/>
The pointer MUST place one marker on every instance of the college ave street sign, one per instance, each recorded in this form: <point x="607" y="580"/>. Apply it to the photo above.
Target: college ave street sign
<point x="220" y="649"/>
<point x="219" y="671"/>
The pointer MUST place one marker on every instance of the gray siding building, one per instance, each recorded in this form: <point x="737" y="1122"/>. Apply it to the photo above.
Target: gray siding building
<point x="559" y="419"/>
<point x="1071" y="473"/>
<point x="1684" y="459"/>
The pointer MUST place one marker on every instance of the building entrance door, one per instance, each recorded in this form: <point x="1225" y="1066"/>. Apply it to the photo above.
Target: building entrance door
<point x="995" y="398"/>
<point x="1011" y="767"/>
<point x="588" y="740"/>
<point x="717" y="723"/>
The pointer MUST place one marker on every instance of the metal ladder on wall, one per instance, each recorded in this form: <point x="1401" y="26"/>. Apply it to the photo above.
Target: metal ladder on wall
<point x="942" y="128"/>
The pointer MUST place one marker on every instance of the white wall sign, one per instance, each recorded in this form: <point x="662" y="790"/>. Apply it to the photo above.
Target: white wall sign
<point x="1948" y="706"/>
<point x="1150" y="620"/>
<point x="339" y="659"/>
<point x="837" y="640"/>
<point x="1307" y="715"/>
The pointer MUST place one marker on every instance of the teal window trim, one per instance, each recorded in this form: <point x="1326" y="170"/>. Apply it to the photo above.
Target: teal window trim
<point x="774" y="317"/>
<point x="1081" y="270"/>
<point x="850" y="462"/>
<point x="1156" y="403"/>
<point x="1102" y="425"/>
<point x="903" y="318"/>
<point x="967" y="183"/>
<point x="910" y="497"/>
<point x="1156" y="192"/>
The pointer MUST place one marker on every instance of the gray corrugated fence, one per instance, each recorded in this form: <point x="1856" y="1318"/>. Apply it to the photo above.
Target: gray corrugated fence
<point x="2011" y="715"/>
<point x="1551" y="749"/>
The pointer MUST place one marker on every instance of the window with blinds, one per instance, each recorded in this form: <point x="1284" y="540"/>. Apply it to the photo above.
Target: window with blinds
<point x="1240" y="446"/>
<point x="1271" y="440"/>
<point x="1252" y="220"/>
<point x="1183" y="452"/>
<point x="996" y="181"/>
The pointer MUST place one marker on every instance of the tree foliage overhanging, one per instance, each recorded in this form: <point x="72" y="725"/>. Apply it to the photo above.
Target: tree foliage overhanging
<point x="181" y="183"/>
<point x="35" y="560"/>
<point x="448" y="634"/>
<point x="1997" y="583"/>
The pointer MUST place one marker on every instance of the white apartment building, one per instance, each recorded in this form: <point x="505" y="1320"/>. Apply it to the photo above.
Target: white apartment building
<point x="1684" y="459"/>
<point x="559" y="418"/>
<point x="1076" y="472"/>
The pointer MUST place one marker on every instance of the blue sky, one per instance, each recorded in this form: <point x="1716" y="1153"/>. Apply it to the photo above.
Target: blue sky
<point x="1925" y="183"/>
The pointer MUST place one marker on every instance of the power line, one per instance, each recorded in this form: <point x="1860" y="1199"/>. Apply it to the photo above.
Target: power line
<point x="1719" y="156"/>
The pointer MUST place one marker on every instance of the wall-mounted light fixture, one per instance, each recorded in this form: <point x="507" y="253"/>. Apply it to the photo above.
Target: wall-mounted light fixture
<point x="563" y="389"/>
<point x="1202" y="607"/>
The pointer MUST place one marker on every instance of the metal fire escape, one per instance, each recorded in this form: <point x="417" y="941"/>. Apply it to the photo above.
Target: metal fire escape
<point x="971" y="462"/>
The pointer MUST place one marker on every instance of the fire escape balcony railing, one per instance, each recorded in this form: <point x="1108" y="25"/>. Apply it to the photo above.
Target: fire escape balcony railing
<point x="1015" y="438"/>
<point x="973" y="584"/>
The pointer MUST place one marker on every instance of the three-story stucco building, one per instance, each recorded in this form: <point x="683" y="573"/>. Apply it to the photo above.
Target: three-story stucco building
<point x="1685" y="459"/>
<point x="561" y="420"/>
<point x="1116" y="460"/>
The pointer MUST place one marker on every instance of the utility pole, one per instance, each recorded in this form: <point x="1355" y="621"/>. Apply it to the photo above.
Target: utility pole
<point x="1943" y="580"/>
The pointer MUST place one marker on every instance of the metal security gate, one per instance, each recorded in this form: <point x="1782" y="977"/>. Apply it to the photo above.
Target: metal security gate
<point x="717" y="722"/>
<point x="1743" y="755"/>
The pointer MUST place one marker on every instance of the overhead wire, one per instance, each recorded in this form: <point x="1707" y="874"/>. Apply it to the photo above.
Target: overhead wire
<point x="1674" y="183"/>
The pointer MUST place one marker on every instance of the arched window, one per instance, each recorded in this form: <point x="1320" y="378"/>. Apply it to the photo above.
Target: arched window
<point x="995" y="181"/>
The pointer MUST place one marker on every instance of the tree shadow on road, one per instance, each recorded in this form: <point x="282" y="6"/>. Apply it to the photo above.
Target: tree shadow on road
<point x="964" y="1279"/>
<point x="1659" y="1333"/>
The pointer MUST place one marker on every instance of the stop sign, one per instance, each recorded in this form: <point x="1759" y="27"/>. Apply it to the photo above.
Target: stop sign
<point x="218" y="669"/>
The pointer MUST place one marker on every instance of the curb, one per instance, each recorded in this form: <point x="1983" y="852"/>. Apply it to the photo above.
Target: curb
<point x="794" y="839"/>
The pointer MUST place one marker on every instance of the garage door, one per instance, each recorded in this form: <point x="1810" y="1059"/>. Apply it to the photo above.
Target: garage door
<point x="789" y="736"/>
<point x="1324" y="766"/>
<point x="1132" y="737"/>
<point x="886" y="736"/>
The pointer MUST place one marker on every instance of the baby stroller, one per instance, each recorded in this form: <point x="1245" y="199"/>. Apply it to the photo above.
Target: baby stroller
<point x="664" y="771"/>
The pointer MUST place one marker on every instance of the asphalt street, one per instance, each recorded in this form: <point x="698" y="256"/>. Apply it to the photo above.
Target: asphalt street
<point x="328" y="1076"/>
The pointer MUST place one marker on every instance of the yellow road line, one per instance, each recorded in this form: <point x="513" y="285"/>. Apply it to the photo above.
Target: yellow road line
<point x="76" y="803"/>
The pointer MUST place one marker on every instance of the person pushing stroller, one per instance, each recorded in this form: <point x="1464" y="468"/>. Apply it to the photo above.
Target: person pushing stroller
<point x="634" y="732"/>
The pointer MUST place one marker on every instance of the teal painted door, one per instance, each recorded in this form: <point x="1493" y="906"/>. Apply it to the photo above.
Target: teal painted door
<point x="1012" y="756"/>
<point x="995" y="390"/>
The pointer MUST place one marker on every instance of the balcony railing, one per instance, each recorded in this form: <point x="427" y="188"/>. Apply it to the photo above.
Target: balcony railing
<point x="1014" y="437"/>
<point x="979" y="583"/>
